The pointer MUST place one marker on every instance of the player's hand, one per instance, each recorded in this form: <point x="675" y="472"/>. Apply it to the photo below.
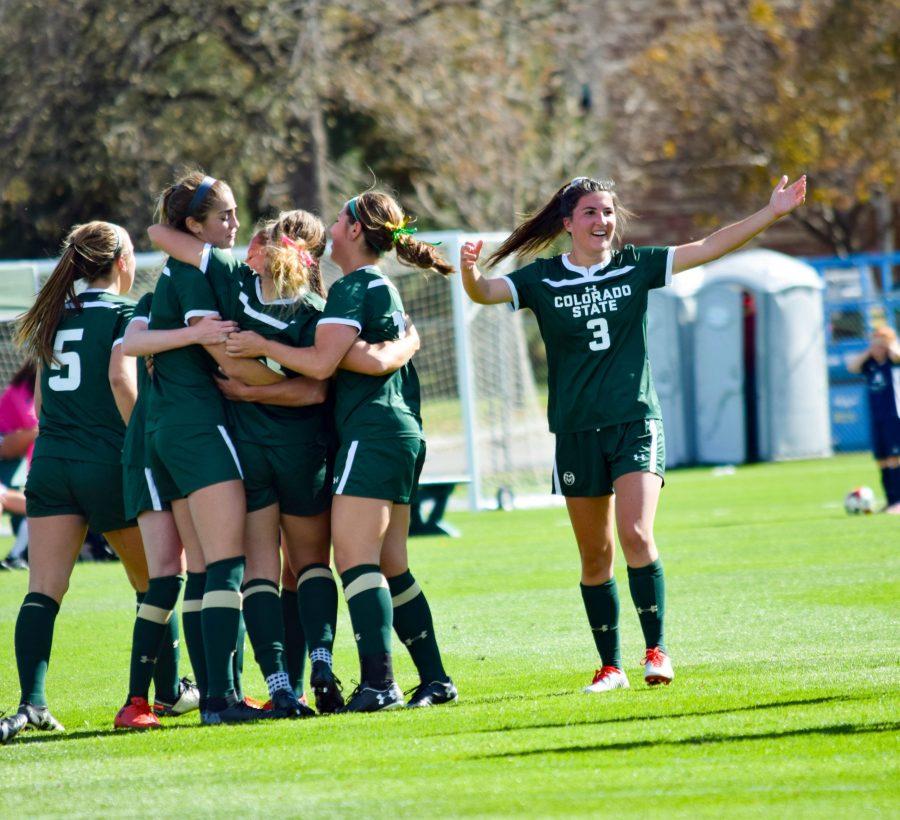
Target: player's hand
<point x="245" y="344"/>
<point x="148" y="364"/>
<point x="233" y="389"/>
<point x="468" y="255"/>
<point x="787" y="197"/>
<point x="210" y="331"/>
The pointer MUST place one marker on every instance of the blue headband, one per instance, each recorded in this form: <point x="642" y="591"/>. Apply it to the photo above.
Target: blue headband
<point x="200" y="194"/>
<point x="351" y="206"/>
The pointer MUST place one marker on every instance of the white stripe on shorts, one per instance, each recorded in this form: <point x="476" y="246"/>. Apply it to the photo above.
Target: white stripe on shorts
<point x="557" y="490"/>
<point x="351" y="454"/>
<point x="653" y="445"/>
<point x="154" y="493"/>
<point x="230" y="446"/>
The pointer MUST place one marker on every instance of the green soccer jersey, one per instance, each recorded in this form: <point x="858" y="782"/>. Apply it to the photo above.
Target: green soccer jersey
<point x="79" y="418"/>
<point x="594" y="325"/>
<point x="290" y="321"/>
<point x="182" y="390"/>
<point x="133" y="451"/>
<point x="372" y="406"/>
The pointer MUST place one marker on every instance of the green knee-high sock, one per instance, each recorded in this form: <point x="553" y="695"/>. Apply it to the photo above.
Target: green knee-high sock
<point x="369" y="602"/>
<point x="601" y="603"/>
<point x="317" y="599"/>
<point x="155" y="610"/>
<point x="237" y="659"/>
<point x="294" y="640"/>
<point x="221" y="616"/>
<point x="648" y="591"/>
<point x="414" y="626"/>
<point x="265" y="626"/>
<point x="193" y="627"/>
<point x="166" y="683"/>
<point x="34" y="638"/>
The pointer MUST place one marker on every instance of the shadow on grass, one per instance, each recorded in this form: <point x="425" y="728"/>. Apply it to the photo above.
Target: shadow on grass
<point x="775" y="704"/>
<point x="699" y="740"/>
<point x="37" y="736"/>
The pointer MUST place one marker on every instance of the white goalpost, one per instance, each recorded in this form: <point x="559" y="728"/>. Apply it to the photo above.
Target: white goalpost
<point x="484" y="416"/>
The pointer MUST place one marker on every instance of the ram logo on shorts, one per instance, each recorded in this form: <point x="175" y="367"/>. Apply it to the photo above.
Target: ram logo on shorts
<point x="569" y="478"/>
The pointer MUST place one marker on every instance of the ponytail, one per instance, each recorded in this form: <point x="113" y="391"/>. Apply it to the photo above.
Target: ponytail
<point x="89" y="252"/>
<point x="294" y="244"/>
<point x="384" y="227"/>
<point x="540" y="229"/>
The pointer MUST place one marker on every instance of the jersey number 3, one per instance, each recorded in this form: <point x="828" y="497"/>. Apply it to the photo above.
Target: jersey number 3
<point x="68" y="359"/>
<point x="600" y="328"/>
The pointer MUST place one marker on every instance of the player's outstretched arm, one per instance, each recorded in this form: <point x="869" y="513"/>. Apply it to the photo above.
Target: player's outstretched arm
<point x="318" y="361"/>
<point x="178" y="244"/>
<point x="299" y="391"/>
<point x="478" y="288"/>
<point x="855" y="363"/>
<point x="207" y="330"/>
<point x="785" y="198"/>
<point x="381" y="358"/>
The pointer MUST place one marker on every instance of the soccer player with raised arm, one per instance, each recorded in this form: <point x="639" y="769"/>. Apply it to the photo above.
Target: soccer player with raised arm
<point x="591" y="307"/>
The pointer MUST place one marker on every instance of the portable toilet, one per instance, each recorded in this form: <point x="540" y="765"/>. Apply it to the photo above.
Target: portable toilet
<point x="760" y="372"/>
<point x="670" y="318"/>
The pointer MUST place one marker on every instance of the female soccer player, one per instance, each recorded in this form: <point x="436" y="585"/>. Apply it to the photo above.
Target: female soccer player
<point x="85" y="389"/>
<point x="591" y="306"/>
<point x="880" y="364"/>
<point x="190" y="452"/>
<point x="285" y="448"/>
<point x="154" y="649"/>
<point x="381" y="450"/>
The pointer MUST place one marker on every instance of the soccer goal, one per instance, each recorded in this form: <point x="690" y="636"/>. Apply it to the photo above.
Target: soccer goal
<point x="484" y="416"/>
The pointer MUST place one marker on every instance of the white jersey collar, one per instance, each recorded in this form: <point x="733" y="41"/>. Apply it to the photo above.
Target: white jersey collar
<point x="591" y="271"/>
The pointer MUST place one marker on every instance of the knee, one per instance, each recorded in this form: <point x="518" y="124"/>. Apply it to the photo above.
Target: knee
<point x="597" y="562"/>
<point x="636" y="539"/>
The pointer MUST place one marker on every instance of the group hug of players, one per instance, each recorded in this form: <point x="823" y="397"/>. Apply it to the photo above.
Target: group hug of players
<point x="268" y="430"/>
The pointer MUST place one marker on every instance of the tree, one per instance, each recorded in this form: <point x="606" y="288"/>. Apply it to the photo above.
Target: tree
<point x="753" y="90"/>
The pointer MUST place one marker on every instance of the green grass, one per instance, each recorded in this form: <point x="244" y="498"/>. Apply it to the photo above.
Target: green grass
<point x="781" y="623"/>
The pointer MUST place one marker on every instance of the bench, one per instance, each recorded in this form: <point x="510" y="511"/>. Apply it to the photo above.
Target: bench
<point x="428" y="504"/>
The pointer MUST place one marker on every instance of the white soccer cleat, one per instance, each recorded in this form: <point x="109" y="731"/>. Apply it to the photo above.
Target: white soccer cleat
<point x="606" y="679"/>
<point x="657" y="667"/>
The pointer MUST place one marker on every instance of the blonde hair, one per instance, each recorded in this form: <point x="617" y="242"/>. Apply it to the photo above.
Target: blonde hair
<point x="382" y="220"/>
<point x="295" y="242"/>
<point x="88" y="252"/>
<point x="885" y="334"/>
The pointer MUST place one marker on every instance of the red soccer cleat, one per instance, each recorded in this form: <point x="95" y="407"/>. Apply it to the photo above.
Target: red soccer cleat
<point x="136" y="714"/>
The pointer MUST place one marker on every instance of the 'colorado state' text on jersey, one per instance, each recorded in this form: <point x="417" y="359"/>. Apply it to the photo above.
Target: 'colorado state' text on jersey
<point x="133" y="450"/>
<point x="594" y="325"/>
<point x="79" y="417"/>
<point x="372" y="406"/>
<point x="883" y="381"/>
<point x="182" y="390"/>
<point x="290" y="321"/>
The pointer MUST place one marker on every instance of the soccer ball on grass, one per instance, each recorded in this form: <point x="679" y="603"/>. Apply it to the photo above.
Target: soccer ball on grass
<point x="860" y="501"/>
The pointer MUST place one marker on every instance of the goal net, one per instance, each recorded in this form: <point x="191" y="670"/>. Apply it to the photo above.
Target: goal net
<point x="484" y="416"/>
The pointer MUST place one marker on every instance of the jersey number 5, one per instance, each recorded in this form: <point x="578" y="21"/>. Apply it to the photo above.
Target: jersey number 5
<point x="68" y="359"/>
<point x="600" y="327"/>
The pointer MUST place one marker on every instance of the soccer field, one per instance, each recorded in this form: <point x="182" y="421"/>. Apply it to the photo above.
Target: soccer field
<point x="781" y="624"/>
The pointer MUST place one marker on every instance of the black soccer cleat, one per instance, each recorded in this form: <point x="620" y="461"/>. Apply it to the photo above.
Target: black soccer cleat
<point x="11" y="726"/>
<point x="39" y="717"/>
<point x="366" y="698"/>
<point x="285" y="704"/>
<point x="433" y="694"/>
<point x="235" y="711"/>
<point x="326" y="688"/>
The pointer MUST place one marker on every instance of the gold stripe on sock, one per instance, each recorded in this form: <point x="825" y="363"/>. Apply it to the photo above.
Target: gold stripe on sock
<point x="259" y="588"/>
<point x="371" y="580"/>
<point x="191" y="605"/>
<point x="156" y="614"/>
<point x="222" y="599"/>
<point x="315" y="572"/>
<point x="407" y="595"/>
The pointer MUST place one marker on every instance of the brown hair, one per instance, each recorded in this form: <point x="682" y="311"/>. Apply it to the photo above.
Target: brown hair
<point x="88" y="253"/>
<point x="26" y="375"/>
<point x="380" y="216"/>
<point x="541" y="228"/>
<point x="176" y="203"/>
<point x="285" y="261"/>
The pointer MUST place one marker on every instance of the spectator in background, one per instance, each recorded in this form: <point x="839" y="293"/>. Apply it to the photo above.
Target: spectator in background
<point x="880" y="364"/>
<point x="18" y="430"/>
